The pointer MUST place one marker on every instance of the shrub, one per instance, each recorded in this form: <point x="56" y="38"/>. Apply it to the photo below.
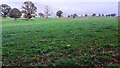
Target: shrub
<point x="15" y="13"/>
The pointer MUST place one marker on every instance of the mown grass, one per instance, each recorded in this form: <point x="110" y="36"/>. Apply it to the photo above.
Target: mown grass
<point x="90" y="41"/>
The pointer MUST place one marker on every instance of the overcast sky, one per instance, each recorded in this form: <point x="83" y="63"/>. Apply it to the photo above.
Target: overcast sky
<point x="60" y="0"/>
<point x="71" y="6"/>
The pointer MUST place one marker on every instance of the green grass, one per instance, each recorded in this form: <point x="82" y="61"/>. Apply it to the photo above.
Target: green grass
<point x="90" y="41"/>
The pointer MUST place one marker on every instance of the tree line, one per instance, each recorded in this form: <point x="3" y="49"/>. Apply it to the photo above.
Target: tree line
<point x="29" y="9"/>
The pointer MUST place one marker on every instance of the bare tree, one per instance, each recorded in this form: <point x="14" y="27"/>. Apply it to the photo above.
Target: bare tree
<point x="59" y="13"/>
<point x="15" y="13"/>
<point x="4" y="10"/>
<point x="47" y="11"/>
<point x="29" y="9"/>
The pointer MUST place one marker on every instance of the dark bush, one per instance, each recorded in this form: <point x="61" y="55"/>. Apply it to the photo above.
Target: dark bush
<point x="15" y="13"/>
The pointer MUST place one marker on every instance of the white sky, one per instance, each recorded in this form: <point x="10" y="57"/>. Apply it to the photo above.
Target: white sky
<point x="60" y="1"/>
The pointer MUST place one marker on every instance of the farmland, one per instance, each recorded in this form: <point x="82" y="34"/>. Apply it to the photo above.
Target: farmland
<point x="86" y="41"/>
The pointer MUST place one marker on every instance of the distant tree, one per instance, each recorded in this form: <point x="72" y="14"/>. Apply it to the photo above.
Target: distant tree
<point x="47" y="11"/>
<point x="59" y="13"/>
<point x="15" y="13"/>
<point x="71" y="16"/>
<point x="41" y="15"/>
<point x="4" y="10"/>
<point x="102" y="14"/>
<point x="75" y="15"/>
<point x="29" y="9"/>
<point x="99" y="15"/>
<point x="86" y="15"/>
<point x="108" y="15"/>
<point x="113" y="15"/>
<point x="68" y="15"/>
<point x="94" y="14"/>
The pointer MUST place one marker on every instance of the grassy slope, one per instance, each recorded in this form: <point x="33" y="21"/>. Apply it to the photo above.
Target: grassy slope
<point x="82" y="41"/>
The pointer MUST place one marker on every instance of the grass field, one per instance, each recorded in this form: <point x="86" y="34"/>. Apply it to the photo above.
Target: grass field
<point x="90" y="41"/>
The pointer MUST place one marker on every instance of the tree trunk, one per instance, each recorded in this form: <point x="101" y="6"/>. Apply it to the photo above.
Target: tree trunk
<point x="4" y="16"/>
<point x="15" y="19"/>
